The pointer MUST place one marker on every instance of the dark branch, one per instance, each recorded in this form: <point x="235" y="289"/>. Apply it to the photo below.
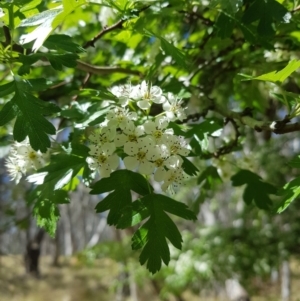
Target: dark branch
<point x="278" y="126"/>
<point x="107" y="29"/>
<point x="105" y="70"/>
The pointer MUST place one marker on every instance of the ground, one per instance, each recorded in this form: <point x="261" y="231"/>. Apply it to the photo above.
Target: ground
<point x="73" y="281"/>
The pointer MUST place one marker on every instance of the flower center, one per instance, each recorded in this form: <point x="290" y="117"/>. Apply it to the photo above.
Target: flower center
<point x="159" y="162"/>
<point x="32" y="155"/>
<point x="141" y="156"/>
<point x="132" y="138"/>
<point x="157" y="134"/>
<point x="102" y="158"/>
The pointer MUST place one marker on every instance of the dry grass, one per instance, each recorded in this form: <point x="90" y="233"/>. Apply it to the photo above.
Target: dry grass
<point x="74" y="282"/>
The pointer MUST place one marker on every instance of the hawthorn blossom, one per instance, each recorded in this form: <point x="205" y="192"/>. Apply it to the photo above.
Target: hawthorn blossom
<point x="130" y="133"/>
<point x="24" y="158"/>
<point x="124" y="93"/>
<point x="158" y="129"/>
<point x="2" y="14"/>
<point x="146" y="94"/>
<point x="160" y="156"/>
<point x="173" y="108"/>
<point x="173" y="178"/>
<point x="138" y="155"/>
<point x="15" y="168"/>
<point x="103" y="135"/>
<point x="177" y="146"/>
<point x="120" y="117"/>
<point x="103" y="159"/>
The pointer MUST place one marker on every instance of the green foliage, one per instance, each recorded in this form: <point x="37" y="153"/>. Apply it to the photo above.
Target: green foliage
<point x="256" y="190"/>
<point x="29" y="111"/>
<point x="151" y="236"/>
<point x="60" y="60"/>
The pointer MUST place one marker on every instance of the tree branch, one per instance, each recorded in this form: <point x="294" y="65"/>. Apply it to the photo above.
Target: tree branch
<point x="106" y="29"/>
<point x="277" y="126"/>
<point x="100" y="70"/>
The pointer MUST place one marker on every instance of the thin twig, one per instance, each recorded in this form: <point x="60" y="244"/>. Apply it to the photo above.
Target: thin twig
<point x="104" y="31"/>
<point x="277" y="126"/>
<point x="107" y="29"/>
<point x="102" y="70"/>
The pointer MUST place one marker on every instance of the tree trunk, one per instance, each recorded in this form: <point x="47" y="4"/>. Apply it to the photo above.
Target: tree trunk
<point x="33" y="251"/>
<point x="235" y="291"/>
<point x="285" y="281"/>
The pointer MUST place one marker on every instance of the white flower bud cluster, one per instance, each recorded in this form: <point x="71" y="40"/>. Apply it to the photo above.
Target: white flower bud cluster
<point x="147" y="144"/>
<point x="2" y="14"/>
<point x="24" y="158"/>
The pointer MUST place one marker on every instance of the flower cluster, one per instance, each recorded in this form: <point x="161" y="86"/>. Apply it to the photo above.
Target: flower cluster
<point x="2" y="14"/>
<point x="146" y="144"/>
<point x="24" y="158"/>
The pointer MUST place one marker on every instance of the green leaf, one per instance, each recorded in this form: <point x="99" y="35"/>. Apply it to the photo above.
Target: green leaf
<point x="153" y="234"/>
<point x="200" y="132"/>
<point x="60" y="197"/>
<point x="63" y="42"/>
<point x="133" y="215"/>
<point x="279" y="76"/>
<point x="189" y="167"/>
<point x="256" y="190"/>
<point x="115" y="202"/>
<point x="29" y="111"/>
<point x="224" y="25"/>
<point x="62" y="169"/>
<point x="266" y="12"/>
<point x="121" y="182"/>
<point x="295" y="162"/>
<point x="57" y="61"/>
<point x="209" y="177"/>
<point x="290" y="192"/>
<point x="7" y="113"/>
<point x="47" y="21"/>
<point x="125" y="179"/>
<point x="178" y="56"/>
<point x="7" y="89"/>
<point x="47" y="215"/>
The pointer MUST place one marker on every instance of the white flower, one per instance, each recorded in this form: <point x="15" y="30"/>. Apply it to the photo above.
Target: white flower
<point x="173" y="108"/>
<point x="120" y="117"/>
<point x="103" y="159"/>
<point x="24" y="158"/>
<point x="34" y="159"/>
<point x="16" y="168"/>
<point x="158" y="129"/>
<point x="177" y="146"/>
<point x="138" y="155"/>
<point x="130" y="133"/>
<point x="173" y="177"/>
<point x="2" y="14"/>
<point x="103" y="135"/>
<point x="146" y="94"/>
<point x="124" y="93"/>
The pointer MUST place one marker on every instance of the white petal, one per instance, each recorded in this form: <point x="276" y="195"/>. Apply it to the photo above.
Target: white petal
<point x="160" y="174"/>
<point x="108" y="148"/>
<point x="143" y="104"/>
<point x="131" y="148"/>
<point x="113" y="161"/>
<point x="183" y="151"/>
<point x="146" y="167"/>
<point x="161" y="122"/>
<point x="149" y="126"/>
<point x="131" y="163"/>
<point x="120" y="140"/>
<point x="105" y="171"/>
